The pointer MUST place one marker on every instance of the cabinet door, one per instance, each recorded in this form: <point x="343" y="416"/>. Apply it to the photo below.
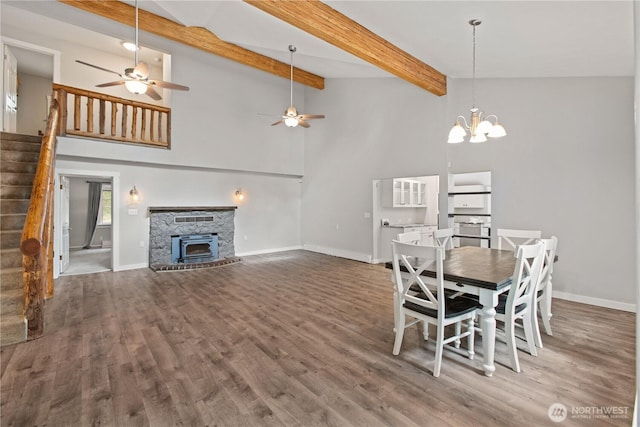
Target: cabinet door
<point x="469" y="201"/>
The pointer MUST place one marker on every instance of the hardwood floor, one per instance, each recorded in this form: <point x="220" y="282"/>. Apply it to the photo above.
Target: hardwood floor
<point x="291" y="339"/>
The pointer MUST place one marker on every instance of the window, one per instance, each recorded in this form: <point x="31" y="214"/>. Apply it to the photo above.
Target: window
<point x="104" y="211"/>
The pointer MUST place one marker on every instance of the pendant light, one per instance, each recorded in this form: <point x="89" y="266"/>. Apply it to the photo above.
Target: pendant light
<point x="478" y="127"/>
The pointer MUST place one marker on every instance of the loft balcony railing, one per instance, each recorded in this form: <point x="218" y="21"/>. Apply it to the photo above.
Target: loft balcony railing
<point x="87" y="114"/>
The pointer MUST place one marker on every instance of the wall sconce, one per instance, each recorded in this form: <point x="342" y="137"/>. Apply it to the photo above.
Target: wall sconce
<point x="239" y="195"/>
<point x="134" y="196"/>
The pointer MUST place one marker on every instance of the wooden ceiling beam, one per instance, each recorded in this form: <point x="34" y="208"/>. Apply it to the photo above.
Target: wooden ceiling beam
<point x="326" y="23"/>
<point x="197" y="37"/>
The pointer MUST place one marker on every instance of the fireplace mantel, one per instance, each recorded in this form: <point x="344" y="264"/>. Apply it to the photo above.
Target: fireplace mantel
<point x="153" y="209"/>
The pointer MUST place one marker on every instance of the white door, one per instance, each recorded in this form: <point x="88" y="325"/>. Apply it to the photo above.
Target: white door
<point x="64" y="214"/>
<point x="10" y="90"/>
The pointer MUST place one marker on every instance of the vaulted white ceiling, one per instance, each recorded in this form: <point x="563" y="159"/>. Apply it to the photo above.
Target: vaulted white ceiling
<point x="516" y="38"/>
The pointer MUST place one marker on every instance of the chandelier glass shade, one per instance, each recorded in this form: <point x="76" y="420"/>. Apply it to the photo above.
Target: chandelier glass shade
<point x="478" y="126"/>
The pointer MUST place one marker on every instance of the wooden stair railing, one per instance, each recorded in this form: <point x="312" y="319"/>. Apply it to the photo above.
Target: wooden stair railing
<point x="88" y="114"/>
<point x="37" y="235"/>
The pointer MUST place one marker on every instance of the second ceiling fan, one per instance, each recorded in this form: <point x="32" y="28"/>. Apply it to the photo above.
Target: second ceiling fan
<point x="291" y="118"/>
<point x="136" y="79"/>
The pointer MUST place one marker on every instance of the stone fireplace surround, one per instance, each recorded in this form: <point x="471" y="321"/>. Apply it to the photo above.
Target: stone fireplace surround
<point x="191" y="220"/>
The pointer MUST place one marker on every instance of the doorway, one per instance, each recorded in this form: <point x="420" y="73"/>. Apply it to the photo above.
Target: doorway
<point x="28" y="71"/>
<point x="86" y="222"/>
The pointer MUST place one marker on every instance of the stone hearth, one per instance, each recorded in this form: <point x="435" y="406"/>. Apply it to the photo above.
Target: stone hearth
<point x="165" y="222"/>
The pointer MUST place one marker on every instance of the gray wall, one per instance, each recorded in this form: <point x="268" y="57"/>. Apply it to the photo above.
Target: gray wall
<point x="566" y="167"/>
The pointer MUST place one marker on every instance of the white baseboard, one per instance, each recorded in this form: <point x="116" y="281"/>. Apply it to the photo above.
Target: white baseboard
<point x="131" y="266"/>
<point x="356" y="256"/>
<point x="595" y="301"/>
<point x="269" y="251"/>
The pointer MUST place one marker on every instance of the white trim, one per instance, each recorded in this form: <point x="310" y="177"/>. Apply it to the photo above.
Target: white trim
<point x="115" y="220"/>
<point x="616" y="305"/>
<point x="356" y="256"/>
<point x="269" y="251"/>
<point x="40" y="49"/>
<point x="132" y="266"/>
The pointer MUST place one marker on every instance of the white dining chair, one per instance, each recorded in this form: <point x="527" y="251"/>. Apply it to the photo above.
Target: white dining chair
<point x="428" y="305"/>
<point x="545" y="288"/>
<point x="444" y="237"/>
<point x="520" y="299"/>
<point x="410" y="237"/>
<point x="509" y="239"/>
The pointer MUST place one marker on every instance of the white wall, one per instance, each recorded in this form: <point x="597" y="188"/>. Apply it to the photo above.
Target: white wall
<point x="266" y="220"/>
<point x="566" y="167"/>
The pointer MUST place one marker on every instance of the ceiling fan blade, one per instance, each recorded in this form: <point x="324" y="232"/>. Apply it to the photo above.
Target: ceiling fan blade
<point x="278" y="122"/>
<point x="99" y="68"/>
<point x="119" y="82"/>
<point x="311" y="116"/>
<point x="168" y="85"/>
<point x="153" y="94"/>
<point x="141" y="71"/>
<point x="303" y="123"/>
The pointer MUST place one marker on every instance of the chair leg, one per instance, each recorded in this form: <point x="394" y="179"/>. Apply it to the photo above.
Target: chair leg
<point x="545" y="310"/>
<point x="425" y="330"/>
<point x="529" y="333"/>
<point x="395" y="312"/>
<point x="458" y="332"/>
<point x="399" y="333"/>
<point x="536" y="327"/>
<point x="512" y="349"/>
<point x="439" y="349"/>
<point x="471" y="328"/>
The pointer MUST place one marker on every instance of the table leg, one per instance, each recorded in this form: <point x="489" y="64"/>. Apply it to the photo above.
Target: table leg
<point x="489" y="300"/>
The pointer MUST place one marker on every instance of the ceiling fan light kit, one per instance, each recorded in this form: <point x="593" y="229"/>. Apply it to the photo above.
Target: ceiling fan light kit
<point x="136" y="79"/>
<point x="291" y="118"/>
<point x="478" y="127"/>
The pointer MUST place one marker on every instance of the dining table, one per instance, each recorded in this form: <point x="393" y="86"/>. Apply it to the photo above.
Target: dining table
<point x="484" y="272"/>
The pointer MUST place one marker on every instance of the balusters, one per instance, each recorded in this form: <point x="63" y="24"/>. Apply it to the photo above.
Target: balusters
<point x="102" y="116"/>
<point x="114" y="113"/>
<point x="127" y="121"/>
<point x="89" y="114"/>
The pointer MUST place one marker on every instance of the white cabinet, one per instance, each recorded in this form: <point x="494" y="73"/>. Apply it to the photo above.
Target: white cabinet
<point x="404" y="193"/>
<point x="473" y="200"/>
<point x="387" y="234"/>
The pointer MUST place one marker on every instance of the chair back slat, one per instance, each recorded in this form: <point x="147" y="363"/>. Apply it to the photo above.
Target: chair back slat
<point x="551" y="246"/>
<point x="526" y="276"/>
<point x="509" y="239"/>
<point x="416" y="259"/>
<point x="444" y="237"/>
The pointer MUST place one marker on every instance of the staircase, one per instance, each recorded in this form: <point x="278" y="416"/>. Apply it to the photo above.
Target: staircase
<point x="18" y="160"/>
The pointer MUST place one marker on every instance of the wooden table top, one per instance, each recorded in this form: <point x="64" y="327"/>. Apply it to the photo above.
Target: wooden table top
<point x="475" y="266"/>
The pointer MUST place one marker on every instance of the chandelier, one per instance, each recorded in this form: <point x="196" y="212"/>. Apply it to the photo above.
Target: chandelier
<point x="478" y="127"/>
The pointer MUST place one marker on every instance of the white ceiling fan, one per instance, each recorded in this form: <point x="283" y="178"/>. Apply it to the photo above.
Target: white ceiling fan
<point x="136" y="79"/>
<point x="291" y="118"/>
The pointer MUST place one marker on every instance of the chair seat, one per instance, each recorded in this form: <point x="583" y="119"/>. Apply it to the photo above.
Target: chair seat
<point x="454" y="307"/>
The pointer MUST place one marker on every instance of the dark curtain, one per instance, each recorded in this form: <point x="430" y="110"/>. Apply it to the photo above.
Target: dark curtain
<point x="95" y="190"/>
